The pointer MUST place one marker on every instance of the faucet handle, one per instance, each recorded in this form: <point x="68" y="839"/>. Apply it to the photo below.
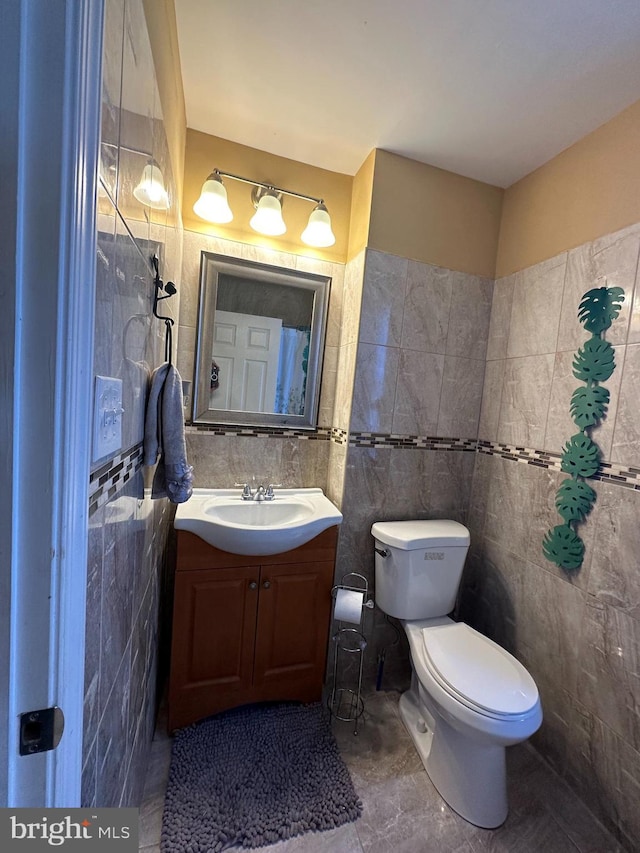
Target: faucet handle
<point x="269" y="493"/>
<point x="246" y="491"/>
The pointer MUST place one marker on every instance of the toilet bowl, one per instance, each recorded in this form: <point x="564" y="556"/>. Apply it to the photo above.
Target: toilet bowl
<point x="469" y="698"/>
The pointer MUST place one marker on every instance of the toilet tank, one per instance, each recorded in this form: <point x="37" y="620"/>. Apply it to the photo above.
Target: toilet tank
<point x="420" y="574"/>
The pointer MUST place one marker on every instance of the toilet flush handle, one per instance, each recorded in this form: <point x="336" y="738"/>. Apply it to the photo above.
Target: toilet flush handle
<point x="382" y="551"/>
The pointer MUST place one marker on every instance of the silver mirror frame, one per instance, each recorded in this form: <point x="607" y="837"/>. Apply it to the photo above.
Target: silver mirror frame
<point x="211" y="266"/>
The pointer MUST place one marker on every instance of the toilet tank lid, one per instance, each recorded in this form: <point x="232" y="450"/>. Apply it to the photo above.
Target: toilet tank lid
<point x="421" y="533"/>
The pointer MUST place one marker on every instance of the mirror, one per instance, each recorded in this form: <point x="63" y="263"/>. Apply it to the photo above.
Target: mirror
<point x="260" y="343"/>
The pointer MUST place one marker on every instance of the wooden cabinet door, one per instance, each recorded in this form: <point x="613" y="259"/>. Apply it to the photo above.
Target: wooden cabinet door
<point x="293" y="626"/>
<point x="214" y="632"/>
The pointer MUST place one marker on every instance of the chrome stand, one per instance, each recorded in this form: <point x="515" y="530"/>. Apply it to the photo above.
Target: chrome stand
<point x="346" y="703"/>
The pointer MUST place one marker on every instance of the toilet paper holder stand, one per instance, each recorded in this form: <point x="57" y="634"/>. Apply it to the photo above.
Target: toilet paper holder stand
<point x="346" y="703"/>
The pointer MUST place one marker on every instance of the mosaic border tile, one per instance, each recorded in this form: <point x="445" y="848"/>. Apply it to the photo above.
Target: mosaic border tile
<point x="417" y="442"/>
<point x="107" y="480"/>
<point x="610" y="472"/>
<point x="320" y="434"/>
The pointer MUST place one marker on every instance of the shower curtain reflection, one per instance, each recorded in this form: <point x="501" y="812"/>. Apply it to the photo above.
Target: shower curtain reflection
<point x="292" y="371"/>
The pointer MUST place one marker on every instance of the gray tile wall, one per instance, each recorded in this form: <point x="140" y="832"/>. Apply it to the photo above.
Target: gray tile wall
<point x="419" y="357"/>
<point x="578" y="633"/>
<point x="127" y="531"/>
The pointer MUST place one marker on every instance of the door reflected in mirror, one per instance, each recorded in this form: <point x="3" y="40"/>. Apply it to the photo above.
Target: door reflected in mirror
<point x="260" y="343"/>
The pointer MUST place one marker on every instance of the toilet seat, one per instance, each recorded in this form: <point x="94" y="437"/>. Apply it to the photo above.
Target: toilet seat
<point x="477" y="672"/>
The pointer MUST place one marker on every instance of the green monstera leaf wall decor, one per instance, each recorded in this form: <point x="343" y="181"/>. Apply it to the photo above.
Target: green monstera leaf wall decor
<point x="593" y="363"/>
<point x="589" y="405"/>
<point x="599" y="308"/>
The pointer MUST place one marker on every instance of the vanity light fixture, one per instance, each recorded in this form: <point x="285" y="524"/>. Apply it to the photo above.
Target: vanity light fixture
<point x="212" y="206"/>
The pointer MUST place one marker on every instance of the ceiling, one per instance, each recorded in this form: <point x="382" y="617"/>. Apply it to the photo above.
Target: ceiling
<point x="490" y="89"/>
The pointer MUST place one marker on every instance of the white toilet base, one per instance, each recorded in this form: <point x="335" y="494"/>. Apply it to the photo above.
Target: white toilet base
<point x="471" y="777"/>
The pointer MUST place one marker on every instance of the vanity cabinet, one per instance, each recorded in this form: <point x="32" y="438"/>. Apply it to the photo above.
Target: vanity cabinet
<point x="248" y="629"/>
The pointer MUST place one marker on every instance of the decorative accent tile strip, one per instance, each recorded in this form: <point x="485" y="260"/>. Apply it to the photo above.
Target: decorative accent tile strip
<point x="409" y="442"/>
<point x="107" y="480"/>
<point x="320" y="434"/>
<point x="608" y="472"/>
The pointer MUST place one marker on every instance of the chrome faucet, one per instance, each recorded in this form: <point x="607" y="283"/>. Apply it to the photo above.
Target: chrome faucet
<point x="260" y="494"/>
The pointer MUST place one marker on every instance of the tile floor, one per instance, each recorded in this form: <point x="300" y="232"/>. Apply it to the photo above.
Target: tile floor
<point x="403" y="813"/>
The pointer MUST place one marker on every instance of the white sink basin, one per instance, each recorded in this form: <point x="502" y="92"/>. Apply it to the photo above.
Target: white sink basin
<point x="224" y="520"/>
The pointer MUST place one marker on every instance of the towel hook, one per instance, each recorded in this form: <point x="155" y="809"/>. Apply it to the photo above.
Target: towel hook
<point x="170" y="290"/>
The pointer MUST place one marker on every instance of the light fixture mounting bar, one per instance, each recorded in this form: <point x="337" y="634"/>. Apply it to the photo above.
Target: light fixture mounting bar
<point x="267" y="186"/>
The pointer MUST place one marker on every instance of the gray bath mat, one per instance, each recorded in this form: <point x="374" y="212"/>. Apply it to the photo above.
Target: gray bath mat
<point x="253" y="776"/>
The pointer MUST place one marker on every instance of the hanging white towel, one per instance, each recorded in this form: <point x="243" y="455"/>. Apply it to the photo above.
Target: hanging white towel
<point x="164" y="441"/>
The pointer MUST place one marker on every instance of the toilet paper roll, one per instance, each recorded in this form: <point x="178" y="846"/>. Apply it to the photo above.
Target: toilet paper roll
<point x="348" y="606"/>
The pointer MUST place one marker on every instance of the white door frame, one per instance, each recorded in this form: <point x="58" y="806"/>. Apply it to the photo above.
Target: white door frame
<point x="50" y="64"/>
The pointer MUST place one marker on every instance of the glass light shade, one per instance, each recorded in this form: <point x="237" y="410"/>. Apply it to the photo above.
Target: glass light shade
<point x="268" y="217"/>
<point x="318" y="232"/>
<point x="150" y="191"/>
<point x="212" y="204"/>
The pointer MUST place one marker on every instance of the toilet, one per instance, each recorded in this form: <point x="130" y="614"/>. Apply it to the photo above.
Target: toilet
<point x="469" y="698"/>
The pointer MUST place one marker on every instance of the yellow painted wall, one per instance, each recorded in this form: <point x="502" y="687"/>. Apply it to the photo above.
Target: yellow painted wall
<point x="591" y="189"/>
<point x="361" y="198"/>
<point x="431" y="215"/>
<point x="204" y="153"/>
<point x="163" y="36"/>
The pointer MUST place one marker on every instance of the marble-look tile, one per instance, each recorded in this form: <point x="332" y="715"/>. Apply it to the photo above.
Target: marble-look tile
<point x="114" y="739"/>
<point x="425" y="322"/>
<point x="560" y="426"/>
<point x="345" y="377"/>
<point x="336" y="472"/>
<point x="613" y="577"/>
<point x="608" y="682"/>
<point x="352" y="299"/>
<point x="185" y="343"/>
<point x="610" y="788"/>
<point x="303" y="463"/>
<point x="469" y="316"/>
<point x="491" y="400"/>
<point x="92" y="637"/>
<point x="193" y="246"/>
<point x="264" y="255"/>
<point x="406" y="814"/>
<point x="525" y="400"/>
<point x="550" y="619"/>
<point x="626" y="435"/>
<point x="451" y="485"/>
<point x="610" y="261"/>
<point x="461" y="397"/>
<point x="88" y="780"/>
<point x="417" y="395"/>
<point x="222" y="461"/>
<point x="479" y="492"/>
<point x="509" y="504"/>
<point x="500" y="320"/>
<point x="328" y="386"/>
<point x="535" y="313"/>
<point x="385" y="278"/>
<point x="531" y="826"/>
<point x="410" y="482"/>
<point x="344" y="839"/>
<point x="383" y="749"/>
<point x="375" y="388"/>
<point x="494" y="588"/>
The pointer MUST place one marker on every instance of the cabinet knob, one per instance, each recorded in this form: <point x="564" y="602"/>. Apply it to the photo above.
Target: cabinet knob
<point x="253" y="585"/>
<point x="266" y="584"/>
